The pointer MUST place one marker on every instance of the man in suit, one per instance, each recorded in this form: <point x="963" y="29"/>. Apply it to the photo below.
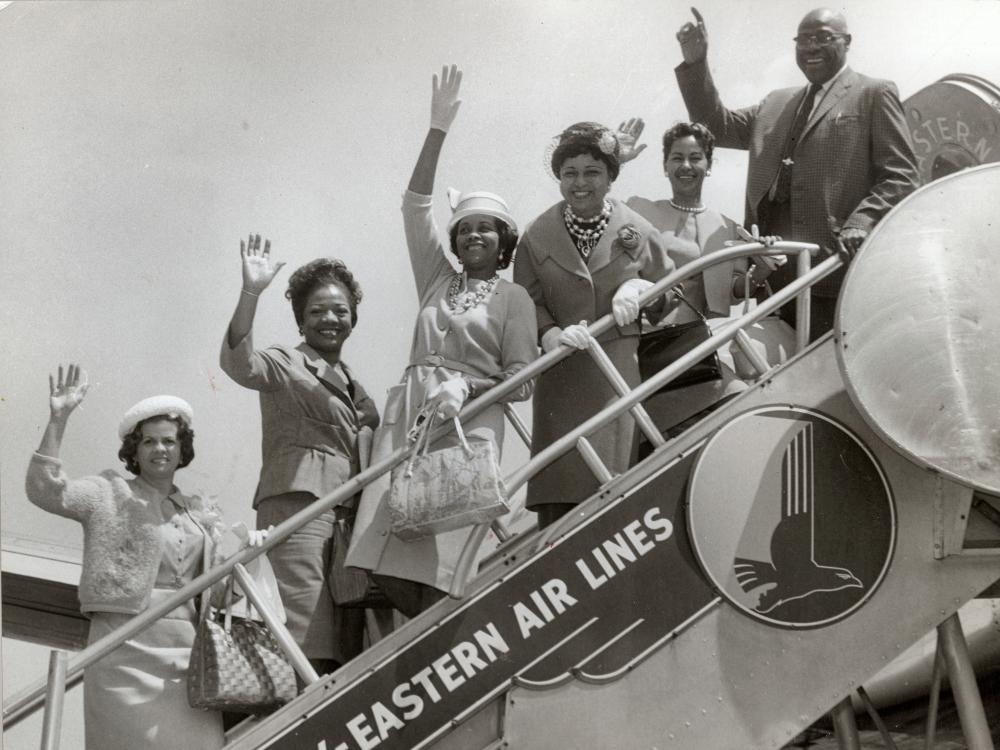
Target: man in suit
<point x="827" y="161"/>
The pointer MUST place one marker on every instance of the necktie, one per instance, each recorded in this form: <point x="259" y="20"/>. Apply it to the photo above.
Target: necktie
<point x="783" y="185"/>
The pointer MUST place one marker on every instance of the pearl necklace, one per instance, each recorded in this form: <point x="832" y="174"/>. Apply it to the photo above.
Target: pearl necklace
<point x="586" y="237"/>
<point x="687" y="209"/>
<point x="460" y="301"/>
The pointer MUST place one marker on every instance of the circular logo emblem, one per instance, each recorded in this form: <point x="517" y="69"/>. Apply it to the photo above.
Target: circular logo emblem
<point x="791" y="517"/>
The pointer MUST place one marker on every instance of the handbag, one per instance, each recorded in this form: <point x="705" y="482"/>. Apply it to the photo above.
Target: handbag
<point x="661" y="347"/>
<point x="353" y="588"/>
<point x="437" y="491"/>
<point x="236" y="664"/>
<point x="771" y="337"/>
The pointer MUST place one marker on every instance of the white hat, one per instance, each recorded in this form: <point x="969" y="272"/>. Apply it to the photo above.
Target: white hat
<point x="155" y="406"/>
<point x="480" y="202"/>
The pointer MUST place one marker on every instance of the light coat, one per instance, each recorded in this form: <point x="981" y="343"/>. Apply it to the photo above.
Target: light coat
<point x="566" y="290"/>
<point x="714" y="231"/>
<point x="495" y="338"/>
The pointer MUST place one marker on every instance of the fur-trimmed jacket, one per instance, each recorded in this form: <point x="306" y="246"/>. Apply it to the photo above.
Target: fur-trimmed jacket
<point x="121" y="545"/>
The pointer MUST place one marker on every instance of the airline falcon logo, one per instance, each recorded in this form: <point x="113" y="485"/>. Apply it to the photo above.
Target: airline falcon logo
<point x="791" y="517"/>
<point x="793" y="571"/>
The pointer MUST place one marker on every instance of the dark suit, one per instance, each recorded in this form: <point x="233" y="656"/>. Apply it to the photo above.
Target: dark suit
<point x="854" y="160"/>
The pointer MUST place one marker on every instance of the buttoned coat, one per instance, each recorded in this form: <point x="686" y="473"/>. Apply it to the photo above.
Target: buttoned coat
<point x="566" y="290"/>
<point x="853" y="162"/>
<point x="495" y="338"/>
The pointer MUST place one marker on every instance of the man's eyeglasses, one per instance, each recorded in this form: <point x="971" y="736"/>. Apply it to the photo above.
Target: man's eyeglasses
<point x="822" y="39"/>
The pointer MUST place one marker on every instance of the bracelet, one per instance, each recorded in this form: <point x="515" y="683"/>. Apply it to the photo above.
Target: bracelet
<point x="252" y="294"/>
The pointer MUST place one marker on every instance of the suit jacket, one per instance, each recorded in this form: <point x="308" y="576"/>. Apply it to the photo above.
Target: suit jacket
<point x="310" y="417"/>
<point x="566" y="290"/>
<point x="854" y="161"/>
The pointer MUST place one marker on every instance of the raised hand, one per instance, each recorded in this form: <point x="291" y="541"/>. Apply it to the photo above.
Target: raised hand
<point x="444" y="97"/>
<point x="66" y="392"/>
<point x="628" y="136"/>
<point x="694" y="39"/>
<point x="258" y="270"/>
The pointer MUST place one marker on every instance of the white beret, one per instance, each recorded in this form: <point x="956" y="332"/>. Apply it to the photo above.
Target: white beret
<point x="152" y="407"/>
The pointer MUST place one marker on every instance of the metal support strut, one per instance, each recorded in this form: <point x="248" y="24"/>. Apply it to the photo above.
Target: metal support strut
<point x="963" y="684"/>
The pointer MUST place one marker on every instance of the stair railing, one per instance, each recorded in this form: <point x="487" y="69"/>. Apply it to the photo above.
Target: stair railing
<point x="31" y="698"/>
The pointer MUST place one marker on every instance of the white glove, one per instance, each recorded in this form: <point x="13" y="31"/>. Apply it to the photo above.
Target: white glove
<point x="250" y="537"/>
<point x="444" y="97"/>
<point x="576" y="336"/>
<point x="450" y="395"/>
<point x="550" y="339"/>
<point x="625" y="303"/>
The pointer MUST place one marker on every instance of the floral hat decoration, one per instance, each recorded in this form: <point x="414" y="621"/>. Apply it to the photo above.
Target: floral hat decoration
<point x="584" y="137"/>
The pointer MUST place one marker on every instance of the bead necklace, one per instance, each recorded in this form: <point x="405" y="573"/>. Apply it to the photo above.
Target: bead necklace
<point x="460" y="301"/>
<point x="687" y="209"/>
<point x="586" y="232"/>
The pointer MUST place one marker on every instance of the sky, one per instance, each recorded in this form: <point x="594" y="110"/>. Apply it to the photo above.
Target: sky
<point x="141" y="140"/>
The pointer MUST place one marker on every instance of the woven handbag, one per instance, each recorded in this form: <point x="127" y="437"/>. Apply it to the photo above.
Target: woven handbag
<point x="237" y="665"/>
<point x="447" y="489"/>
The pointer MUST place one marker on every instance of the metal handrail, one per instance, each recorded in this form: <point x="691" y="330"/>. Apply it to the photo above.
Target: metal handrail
<point x="31" y="698"/>
<point x="617" y="408"/>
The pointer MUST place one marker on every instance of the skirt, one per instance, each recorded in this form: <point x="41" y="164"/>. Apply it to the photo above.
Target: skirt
<point x="135" y="698"/>
<point x="302" y="567"/>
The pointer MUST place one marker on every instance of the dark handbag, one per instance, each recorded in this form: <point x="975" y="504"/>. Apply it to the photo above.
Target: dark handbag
<point x="236" y="664"/>
<point x="353" y="588"/>
<point x="664" y="346"/>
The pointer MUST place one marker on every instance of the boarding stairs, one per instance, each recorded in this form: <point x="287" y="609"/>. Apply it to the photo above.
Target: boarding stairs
<point x="669" y="610"/>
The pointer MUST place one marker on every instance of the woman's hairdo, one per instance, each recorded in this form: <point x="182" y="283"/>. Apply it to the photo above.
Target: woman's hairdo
<point x="701" y="134"/>
<point x="587" y="138"/>
<point x="130" y="443"/>
<point x="508" y="242"/>
<point x="321" y="272"/>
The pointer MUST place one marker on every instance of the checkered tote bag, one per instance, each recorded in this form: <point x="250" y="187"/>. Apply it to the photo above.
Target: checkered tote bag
<point x="447" y="489"/>
<point x="237" y="665"/>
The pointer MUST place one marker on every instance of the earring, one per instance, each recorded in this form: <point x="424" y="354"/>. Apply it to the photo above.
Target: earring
<point x="461" y="262"/>
<point x="300" y="330"/>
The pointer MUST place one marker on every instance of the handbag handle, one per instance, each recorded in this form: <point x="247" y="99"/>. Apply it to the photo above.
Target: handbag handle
<point x="680" y="295"/>
<point x="420" y="434"/>
<point x="227" y="604"/>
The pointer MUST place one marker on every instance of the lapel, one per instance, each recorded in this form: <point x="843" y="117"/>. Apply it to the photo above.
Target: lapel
<point x="786" y="117"/>
<point x="837" y="91"/>
<point x="608" y="248"/>
<point x="326" y="374"/>
<point x="555" y="242"/>
<point x="772" y="147"/>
